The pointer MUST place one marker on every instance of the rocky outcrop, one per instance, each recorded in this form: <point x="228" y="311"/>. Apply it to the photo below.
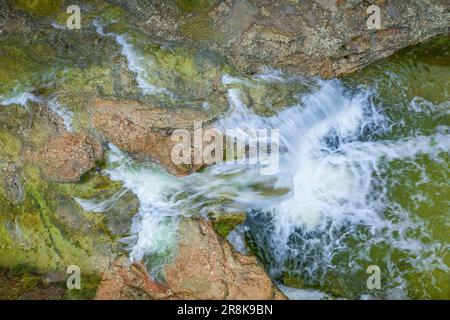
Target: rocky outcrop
<point x="144" y="130"/>
<point x="129" y="281"/>
<point x="326" y="37"/>
<point x="320" y="37"/>
<point x="65" y="158"/>
<point x="44" y="228"/>
<point x="206" y="267"/>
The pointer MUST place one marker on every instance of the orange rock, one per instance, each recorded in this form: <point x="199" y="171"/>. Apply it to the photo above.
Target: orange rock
<point x="206" y="267"/>
<point x="66" y="157"/>
<point x="129" y="281"/>
<point x="144" y="131"/>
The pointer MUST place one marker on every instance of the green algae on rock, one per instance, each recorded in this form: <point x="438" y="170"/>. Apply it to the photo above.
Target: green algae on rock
<point x="40" y="8"/>
<point x="224" y="222"/>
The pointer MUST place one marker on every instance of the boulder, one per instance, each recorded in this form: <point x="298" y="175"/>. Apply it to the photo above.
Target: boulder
<point x="66" y="157"/>
<point x="321" y="37"/>
<point x="144" y="130"/>
<point x="129" y="281"/>
<point x="206" y="267"/>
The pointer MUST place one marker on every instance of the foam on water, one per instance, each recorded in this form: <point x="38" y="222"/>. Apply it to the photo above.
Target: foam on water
<point x="93" y="205"/>
<point x="154" y="229"/>
<point x="139" y="65"/>
<point x="302" y="294"/>
<point x="21" y="98"/>
<point x="339" y="192"/>
<point x="24" y="97"/>
<point x="63" y="113"/>
<point x="323" y="214"/>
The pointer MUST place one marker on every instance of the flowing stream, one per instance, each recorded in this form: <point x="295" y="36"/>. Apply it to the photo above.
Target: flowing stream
<point x="362" y="181"/>
<point x="361" y="176"/>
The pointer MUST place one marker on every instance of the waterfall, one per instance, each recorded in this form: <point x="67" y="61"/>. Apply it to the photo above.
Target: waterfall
<point x="137" y="64"/>
<point x="336" y="169"/>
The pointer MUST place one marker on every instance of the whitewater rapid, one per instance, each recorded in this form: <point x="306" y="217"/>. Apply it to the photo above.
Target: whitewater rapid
<point x="335" y="209"/>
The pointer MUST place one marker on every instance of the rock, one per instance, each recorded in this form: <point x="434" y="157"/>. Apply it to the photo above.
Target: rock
<point x="206" y="267"/>
<point x="11" y="183"/>
<point x="65" y="158"/>
<point x="27" y="286"/>
<point x="299" y="37"/>
<point x="119" y="217"/>
<point x="129" y="281"/>
<point x="318" y="37"/>
<point x="144" y="130"/>
<point x="322" y="45"/>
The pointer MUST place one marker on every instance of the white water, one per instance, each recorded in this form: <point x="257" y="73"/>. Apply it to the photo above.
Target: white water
<point x="21" y="98"/>
<point x="302" y="294"/>
<point x="154" y="228"/>
<point x="337" y="208"/>
<point x="65" y="114"/>
<point x="338" y="189"/>
<point x="94" y="205"/>
<point x="139" y="65"/>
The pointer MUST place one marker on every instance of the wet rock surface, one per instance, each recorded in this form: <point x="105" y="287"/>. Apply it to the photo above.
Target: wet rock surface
<point x="206" y="267"/>
<point x="123" y="280"/>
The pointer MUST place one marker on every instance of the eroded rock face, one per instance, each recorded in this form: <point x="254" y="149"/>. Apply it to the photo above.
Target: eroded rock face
<point x="129" y="281"/>
<point x="321" y="37"/>
<point x="326" y="37"/>
<point x="144" y="130"/>
<point x="66" y="157"/>
<point x="206" y="267"/>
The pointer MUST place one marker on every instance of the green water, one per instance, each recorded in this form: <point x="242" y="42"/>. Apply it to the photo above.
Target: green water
<point x="420" y="74"/>
<point x="411" y="89"/>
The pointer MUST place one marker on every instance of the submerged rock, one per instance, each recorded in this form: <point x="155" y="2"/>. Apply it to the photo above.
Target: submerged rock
<point x="225" y="222"/>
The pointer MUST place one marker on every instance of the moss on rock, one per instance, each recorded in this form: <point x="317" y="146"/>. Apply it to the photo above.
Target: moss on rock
<point x="40" y="8"/>
<point x="224" y="223"/>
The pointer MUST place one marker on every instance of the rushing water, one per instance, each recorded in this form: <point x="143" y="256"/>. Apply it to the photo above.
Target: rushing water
<point x="362" y="181"/>
<point x="363" y="162"/>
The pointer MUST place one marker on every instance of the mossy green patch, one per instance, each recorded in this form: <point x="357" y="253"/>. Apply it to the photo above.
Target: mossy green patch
<point x="199" y="29"/>
<point x="23" y="64"/>
<point x="225" y="223"/>
<point x="23" y="282"/>
<point x="198" y="6"/>
<point x="9" y="144"/>
<point x="89" y="284"/>
<point x="49" y="233"/>
<point x="40" y="8"/>
<point x="293" y="281"/>
<point x="92" y="184"/>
